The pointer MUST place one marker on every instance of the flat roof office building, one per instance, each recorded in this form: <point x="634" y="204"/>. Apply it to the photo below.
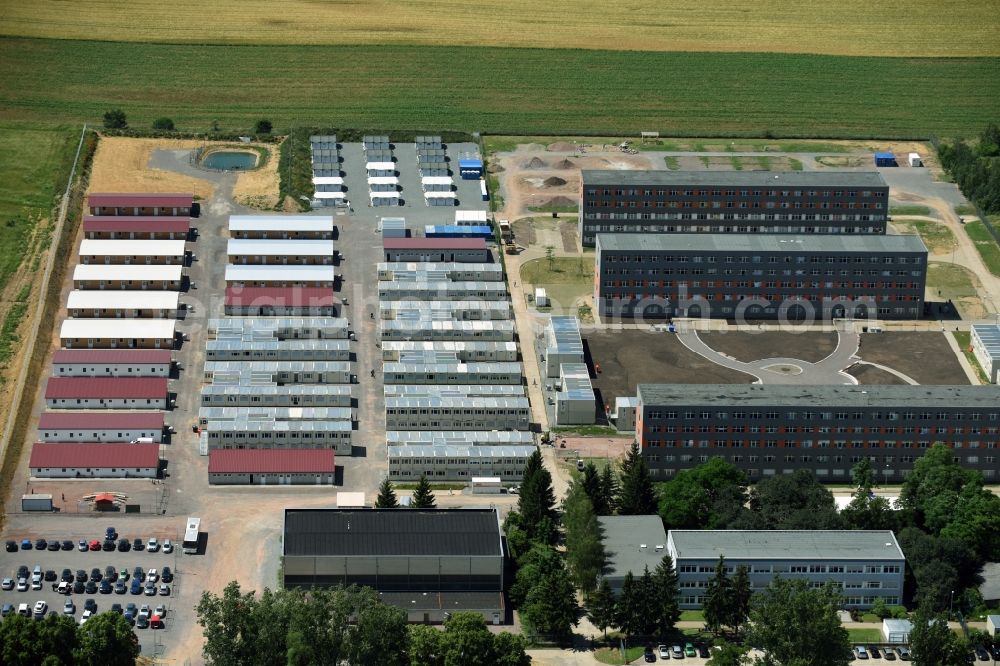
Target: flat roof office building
<point x="762" y="276"/>
<point x="866" y="565"/>
<point x="740" y="202"/>
<point x="452" y="558"/>
<point x="631" y="543"/>
<point x="773" y="429"/>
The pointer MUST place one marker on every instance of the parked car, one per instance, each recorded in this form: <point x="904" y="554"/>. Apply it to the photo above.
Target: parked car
<point x="8" y="584"/>
<point x="995" y="651"/>
<point x="168" y="547"/>
<point x="25" y="544"/>
<point x="981" y="653"/>
<point x="36" y="583"/>
<point x="111" y="533"/>
<point x="152" y="576"/>
<point x="888" y="654"/>
<point x="69" y="608"/>
<point x="7" y="610"/>
<point x="23" y="572"/>
<point x="110" y="573"/>
<point x="82" y="546"/>
<point x="106" y="587"/>
<point x="136" y="586"/>
<point x="67" y="575"/>
<point x="81" y="575"/>
<point x="64" y="587"/>
<point x="96" y="575"/>
<point x="874" y="652"/>
<point x="137" y="544"/>
<point x="123" y="574"/>
<point x="677" y="652"/>
<point x="139" y="574"/>
<point x="108" y="546"/>
<point x="903" y="653"/>
<point x="86" y="616"/>
<point x="91" y="605"/>
<point x="22" y="584"/>
<point x="164" y="590"/>
<point x="50" y="575"/>
<point x="142" y="622"/>
<point x="95" y="545"/>
<point x="66" y="544"/>
<point x="663" y="651"/>
<point x="167" y="575"/>
<point x="121" y="587"/>
<point x="689" y="650"/>
<point x="153" y="545"/>
<point x="79" y="588"/>
<point x="41" y="544"/>
<point x="53" y="546"/>
<point x="90" y="587"/>
<point x="649" y="656"/>
<point x="860" y="652"/>
<point x="40" y="608"/>
<point x="124" y="546"/>
<point x="117" y="608"/>
<point x="160" y="610"/>
<point x="702" y="650"/>
<point x="11" y="546"/>
<point x="150" y="590"/>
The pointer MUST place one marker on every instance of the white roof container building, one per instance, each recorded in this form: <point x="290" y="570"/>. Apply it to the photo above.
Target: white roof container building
<point x="441" y="310"/>
<point x="500" y="330"/>
<point x="277" y="350"/>
<point x="458" y="463"/>
<point x="471" y="351"/>
<point x="304" y="395"/>
<point x="563" y="344"/>
<point x="240" y="247"/>
<point x="412" y="271"/>
<point x="985" y="340"/>
<point x="452" y="390"/>
<point x="281" y="275"/>
<point x="575" y="402"/>
<point x="206" y="414"/>
<point x="103" y="303"/>
<point x="108" y="333"/>
<point x="169" y="251"/>
<point x="328" y="180"/>
<point x="478" y="413"/>
<point x="441" y="290"/>
<point x="281" y="372"/>
<point x="471" y="218"/>
<point x="459" y="438"/>
<point x="277" y="328"/>
<point x="129" y="276"/>
<point x="280" y="222"/>
<point x="452" y="373"/>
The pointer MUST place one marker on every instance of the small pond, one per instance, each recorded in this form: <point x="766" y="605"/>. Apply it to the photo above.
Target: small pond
<point x="225" y="160"/>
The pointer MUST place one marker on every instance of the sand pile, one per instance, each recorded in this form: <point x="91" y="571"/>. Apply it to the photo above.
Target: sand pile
<point x="565" y="164"/>
<point x="562" y="201"/>
<point x="534" y="163"/>
<point x="554" y="181"/>
<point x="494" y="168"/>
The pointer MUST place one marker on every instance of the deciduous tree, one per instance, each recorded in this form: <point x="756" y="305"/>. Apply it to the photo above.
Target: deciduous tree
<point x="791" y="502"/>
<point x="115" y="119"/>
<point x="933" y="643"/>
<point x="710" y="496"/>
<point x="262" y="126"/>
<point x="163" y="124"/>
<point x="106" y="639"/>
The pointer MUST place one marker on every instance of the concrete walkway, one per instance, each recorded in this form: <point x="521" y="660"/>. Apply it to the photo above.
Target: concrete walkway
<point x="830" y="370"/>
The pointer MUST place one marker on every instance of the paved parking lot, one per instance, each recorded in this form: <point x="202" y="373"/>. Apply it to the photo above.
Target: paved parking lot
<point x="152" y="641"/>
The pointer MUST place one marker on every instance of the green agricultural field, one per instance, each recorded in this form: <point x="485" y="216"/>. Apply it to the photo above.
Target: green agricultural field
<point x="34" y="164"/>
<point x="919" y="27"/>
<point x="503" y="91"/>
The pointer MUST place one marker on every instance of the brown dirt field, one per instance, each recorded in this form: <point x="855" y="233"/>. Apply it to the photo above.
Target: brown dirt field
<point x="121" y="165"/>
<point x="569" y="240"/>
<point x="870" y="375"/>
<point x="259" y="188"/>
<point x="809" y="346"/>
<point x="632" y="357"/>
<point x="924" y="356"/>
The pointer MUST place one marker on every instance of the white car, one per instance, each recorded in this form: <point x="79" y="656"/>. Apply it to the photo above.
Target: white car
<point x="40" y="608"/>
<point x="8" y="584"/>
<point x="167" y="546"/>
<point x="22" y="584"/>
<point x="86" y="616"/>
<point x="152" y="545"/>
<point x="152" y="576"/>
<point x="161" y="610"/>
<point x="36" y="583"/>
<point x="69" y="608"/>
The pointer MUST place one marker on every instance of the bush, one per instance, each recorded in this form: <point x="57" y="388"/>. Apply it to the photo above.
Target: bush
<point x="262" y="127"/>
<point x="163" y="124"/>
<point x="115" y="119"/>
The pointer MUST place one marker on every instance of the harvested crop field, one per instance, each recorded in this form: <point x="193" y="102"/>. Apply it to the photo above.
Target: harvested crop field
<point x="628" y="358"/>
<point x="968" y="28"/>
<point x="925" y="357"/>
<point x="539" y="90"/>
<point x="810" y="346"/>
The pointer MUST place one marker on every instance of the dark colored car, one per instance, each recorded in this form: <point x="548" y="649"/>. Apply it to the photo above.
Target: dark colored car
<point x="982" y="654"/>
<point x="124" y="546"/>
<point x="138" y="544"/>
<point x="95" y="575"/>
<point x="11" y="546"/>
<point x="110" y="574"/>
<point x="888" y="655"/>
<point x="649" y="656"/>
<point x="138" y="574"/>
<point x="702" y="650"/>
<point x="105" y="587"/>
<point x="79" y="587"/>
<point x="121" y="587"/>
<point x="108" y="545"/>
<point x="41" y="544"/>
<point x="995" y="651"/>
<point x="90" y="605"/>
<point x="25" y="544"/>
<point x="53" y="546"/>
<point x="167" y="575"/>
<point x="67" y="576"/>
<point x="117" y="608"/>
<point x="90" y="587"/>
<point x="136" y="586"/>
<point x="874" y="652"/>
<point x="50" y="575"/>
<point x="67" y="545"/>
<point x="81" y="575"/>
<point x="111" y="533"/>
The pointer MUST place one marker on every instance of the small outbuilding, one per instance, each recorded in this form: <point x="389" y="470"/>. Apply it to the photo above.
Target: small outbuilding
<point x="896" y="631"/>
<point x="470" y="169"/>
<point x="885" y="159"/>
<point x="993" y="625"/>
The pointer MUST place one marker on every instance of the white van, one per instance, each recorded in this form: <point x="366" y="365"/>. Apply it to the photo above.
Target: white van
<point x="24" y="609"/>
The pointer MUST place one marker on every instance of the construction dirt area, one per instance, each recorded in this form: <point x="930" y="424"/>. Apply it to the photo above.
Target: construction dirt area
<point x="123" y="164"/>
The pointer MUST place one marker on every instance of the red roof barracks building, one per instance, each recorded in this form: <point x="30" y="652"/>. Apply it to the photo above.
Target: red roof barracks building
<point x="130" y="227"/>
<point x="111" y="363"/>
<point x="106" y="393"/>
<point x="100" y="426"/>
<point x="271" y="467"/>
<point x="140" y="204"/>
<point x="97" y="461"/>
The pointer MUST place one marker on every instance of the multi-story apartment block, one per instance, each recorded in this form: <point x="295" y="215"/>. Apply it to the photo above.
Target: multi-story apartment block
<point x="732" y="202"/>
<point x="775" y="429"/>
<point x="760" y="276"/>
<point x="865" y="565"/>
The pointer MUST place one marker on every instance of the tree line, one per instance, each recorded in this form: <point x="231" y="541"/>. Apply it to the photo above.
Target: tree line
<point x="106" y="639"/>
<point x="976" y="170"/>
<point x="348" y="626"/>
